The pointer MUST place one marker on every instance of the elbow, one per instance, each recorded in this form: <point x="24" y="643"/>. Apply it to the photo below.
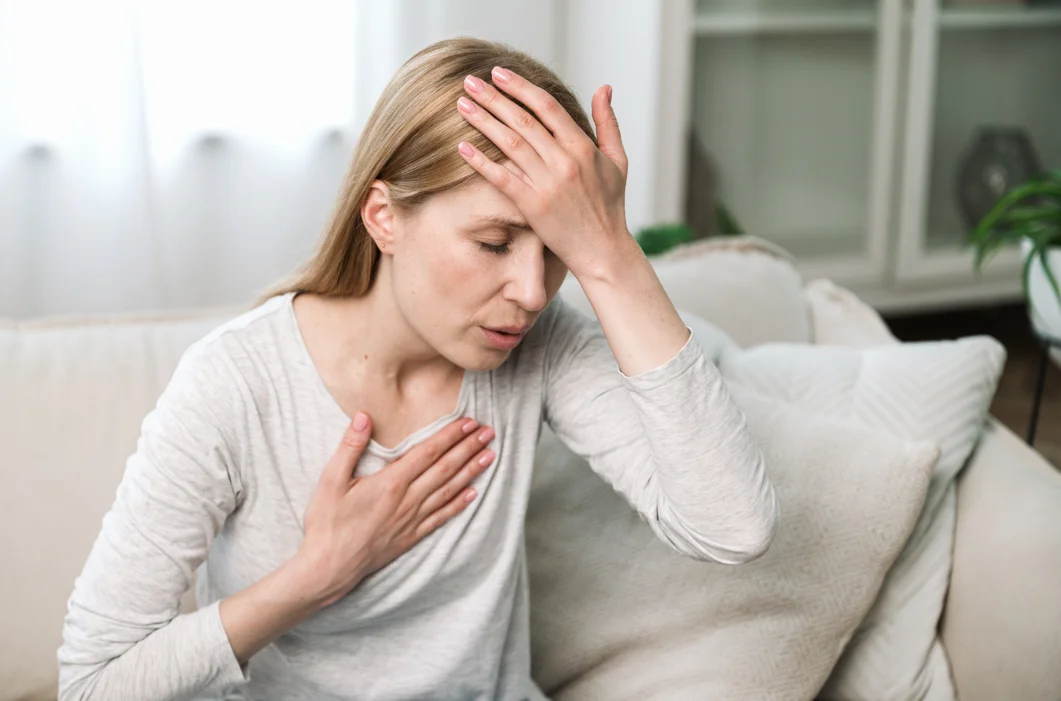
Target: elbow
<point x="743" y="544"/>
<point x="758" y="537"/>
<point x="761" y="529"/>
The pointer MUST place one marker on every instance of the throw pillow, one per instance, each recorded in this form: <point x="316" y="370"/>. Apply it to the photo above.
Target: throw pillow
<point x="616" y="614"/>
<point x="939" y="392"/>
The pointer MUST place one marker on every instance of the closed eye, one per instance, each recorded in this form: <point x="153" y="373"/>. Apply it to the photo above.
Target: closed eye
<point x="495" y="249"/>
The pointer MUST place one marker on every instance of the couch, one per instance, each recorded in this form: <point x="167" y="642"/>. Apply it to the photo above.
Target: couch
<point x="74" y="390"/>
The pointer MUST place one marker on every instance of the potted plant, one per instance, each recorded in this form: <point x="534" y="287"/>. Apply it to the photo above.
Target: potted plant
<point x="1031" y="215"/>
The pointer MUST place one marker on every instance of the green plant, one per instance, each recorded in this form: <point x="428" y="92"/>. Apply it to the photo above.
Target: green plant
<point x="660" y="238"/>
<point x="1031" y="211"/>
<point x="663" y="237"/>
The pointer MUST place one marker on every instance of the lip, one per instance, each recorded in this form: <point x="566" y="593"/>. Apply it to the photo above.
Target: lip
<point x="504" y="337"/>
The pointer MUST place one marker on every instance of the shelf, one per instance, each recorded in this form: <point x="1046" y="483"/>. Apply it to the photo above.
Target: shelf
<point x="1000" y="17"/>
<point x="729" y="23"/>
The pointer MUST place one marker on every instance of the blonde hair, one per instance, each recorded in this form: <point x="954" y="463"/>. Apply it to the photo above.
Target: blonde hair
<point x="410" y="143"/>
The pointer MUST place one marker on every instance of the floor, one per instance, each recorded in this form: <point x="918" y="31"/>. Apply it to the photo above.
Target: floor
<point x="1013" y="401"/>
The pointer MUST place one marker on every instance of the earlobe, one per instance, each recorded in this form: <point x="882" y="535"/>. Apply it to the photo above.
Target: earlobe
<point x="378" y="216"/>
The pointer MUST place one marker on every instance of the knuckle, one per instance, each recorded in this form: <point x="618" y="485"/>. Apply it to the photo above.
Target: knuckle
<point x="514" y="142"/>
<point x="503" y="179"/>
<point x="393" y="490"/>
<point x="567" y="169"/>
<point x="524" y="120"/>
<point x="549" y="105"/>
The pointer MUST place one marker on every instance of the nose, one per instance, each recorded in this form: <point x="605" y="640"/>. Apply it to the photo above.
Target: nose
<point x="526" y="281"/>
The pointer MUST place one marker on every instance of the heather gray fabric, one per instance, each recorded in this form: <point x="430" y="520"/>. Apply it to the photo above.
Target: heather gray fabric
<point x="230" y="456"/>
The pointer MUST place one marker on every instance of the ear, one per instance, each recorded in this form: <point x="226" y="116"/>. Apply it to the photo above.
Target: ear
<point x="378" y="216"/>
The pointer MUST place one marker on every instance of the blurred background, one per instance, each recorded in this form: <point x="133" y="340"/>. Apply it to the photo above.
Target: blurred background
<point x="158" y="156"/>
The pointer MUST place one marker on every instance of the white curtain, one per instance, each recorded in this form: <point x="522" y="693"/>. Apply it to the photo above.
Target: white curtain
<point x="161" y="155"/>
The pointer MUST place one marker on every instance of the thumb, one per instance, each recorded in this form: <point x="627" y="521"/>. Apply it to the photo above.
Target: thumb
<point x="609" y="140"/>
<point x="340" y="468"/>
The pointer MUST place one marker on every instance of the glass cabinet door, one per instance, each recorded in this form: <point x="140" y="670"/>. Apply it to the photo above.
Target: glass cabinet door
<point x="983" y="114"/>
<point x="794" y="109"/>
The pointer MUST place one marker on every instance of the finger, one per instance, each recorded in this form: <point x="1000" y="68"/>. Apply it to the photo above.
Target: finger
<point x="496" y="174"/>
<point x="458" y="482"/>
<point x="515" y="170"/>
<point x="340" y="468"/>
<point x="442" y="470"/>
<point x="447" y="512"/>
<point x="413" y="463"/>
<point x="609" y="140"/>
<point x="549" y="112"/>
<point x="515" y="118"/>
<point x="511" y="143"/>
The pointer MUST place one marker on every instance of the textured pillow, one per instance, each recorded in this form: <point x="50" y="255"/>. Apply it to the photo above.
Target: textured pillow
<point x="938" y="392"/>
<point x="616" y="614"/>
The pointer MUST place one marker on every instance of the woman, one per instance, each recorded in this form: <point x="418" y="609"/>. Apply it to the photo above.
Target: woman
<point x="423" y="333"/>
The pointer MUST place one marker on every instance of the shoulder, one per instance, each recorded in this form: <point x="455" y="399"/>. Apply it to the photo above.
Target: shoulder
<point x="219" y="372"/>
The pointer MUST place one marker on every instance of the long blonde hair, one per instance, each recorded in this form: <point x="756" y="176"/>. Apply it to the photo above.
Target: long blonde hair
<point x="410" y="143"/>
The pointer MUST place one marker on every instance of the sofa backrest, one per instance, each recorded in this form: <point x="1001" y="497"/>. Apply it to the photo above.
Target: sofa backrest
<point x="74" y="392"/>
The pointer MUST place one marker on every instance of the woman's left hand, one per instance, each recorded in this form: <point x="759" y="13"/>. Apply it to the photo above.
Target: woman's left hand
<point x="571" y="191"/>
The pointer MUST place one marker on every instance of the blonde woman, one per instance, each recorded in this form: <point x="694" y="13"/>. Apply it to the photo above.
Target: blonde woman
<point x="423" y="339"/>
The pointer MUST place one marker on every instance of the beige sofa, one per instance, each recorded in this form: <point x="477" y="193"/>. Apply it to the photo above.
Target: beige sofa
<point x="73" y="393"/>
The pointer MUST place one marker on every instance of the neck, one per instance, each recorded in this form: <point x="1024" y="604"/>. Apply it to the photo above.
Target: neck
<point x="377" y="345"/>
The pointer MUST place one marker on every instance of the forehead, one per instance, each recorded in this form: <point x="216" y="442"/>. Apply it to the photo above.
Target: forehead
<point x="476" y="199"/>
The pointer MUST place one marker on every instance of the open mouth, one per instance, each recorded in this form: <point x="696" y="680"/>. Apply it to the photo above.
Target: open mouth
<point x="504" y="338"/>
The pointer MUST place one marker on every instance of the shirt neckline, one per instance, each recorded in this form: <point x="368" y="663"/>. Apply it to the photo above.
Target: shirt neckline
<point x="373" y="447"/>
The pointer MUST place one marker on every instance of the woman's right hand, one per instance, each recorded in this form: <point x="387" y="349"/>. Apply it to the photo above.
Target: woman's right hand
<point x="357" y="525"/>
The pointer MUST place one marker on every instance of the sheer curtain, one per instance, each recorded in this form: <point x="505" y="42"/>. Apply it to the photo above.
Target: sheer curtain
<point x="158" y="155"/>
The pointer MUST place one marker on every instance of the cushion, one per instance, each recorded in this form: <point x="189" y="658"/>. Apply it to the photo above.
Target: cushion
<point x="72" y="396"/>
<point x="745" y="286"/>
<point x="939" y="392"/>
<point x="616" y="614"/>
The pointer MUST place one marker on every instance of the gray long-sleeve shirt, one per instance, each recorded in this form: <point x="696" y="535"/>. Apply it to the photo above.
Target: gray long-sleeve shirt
<point x="230" y="456"/>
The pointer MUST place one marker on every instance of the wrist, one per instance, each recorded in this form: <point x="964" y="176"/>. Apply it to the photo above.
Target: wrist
<point x="613" y="264"/>
<point x="306" y="580"/>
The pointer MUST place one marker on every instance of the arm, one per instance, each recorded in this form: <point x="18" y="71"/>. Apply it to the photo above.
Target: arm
<point x="122" y="636"/>
<point x="666" y="434"/>
<point x="670" y="440"/>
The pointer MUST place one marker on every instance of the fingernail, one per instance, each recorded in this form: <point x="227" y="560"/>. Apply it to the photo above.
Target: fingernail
<point x="470" y="425"/>
<point x="609" y="95"/>
<point x="465" y="149"/>
<point x="360" y="421"/>
<point x="487" y="458"/>
<point x="469" y="495"/>
<point x="486" y="435"/>
<point x="466" y="105"/>
<point x="501" y="75"/>
<point x="474" y="84"/>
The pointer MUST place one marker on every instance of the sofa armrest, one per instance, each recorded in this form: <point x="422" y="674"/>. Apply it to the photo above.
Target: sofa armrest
<point x="1002" y="622"/>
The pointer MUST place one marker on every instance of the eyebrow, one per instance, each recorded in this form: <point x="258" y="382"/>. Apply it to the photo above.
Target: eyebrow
<point x="502" y="222"/>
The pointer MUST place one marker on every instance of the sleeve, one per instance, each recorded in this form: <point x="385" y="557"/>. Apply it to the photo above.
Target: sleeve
<point x="122" y="636"/>
<point x="670" y="440"/>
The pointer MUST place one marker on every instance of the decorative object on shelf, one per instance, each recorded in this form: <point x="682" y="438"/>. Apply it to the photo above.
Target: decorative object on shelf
<point x="998" y="159"/>
<point x="1031" y="215"/>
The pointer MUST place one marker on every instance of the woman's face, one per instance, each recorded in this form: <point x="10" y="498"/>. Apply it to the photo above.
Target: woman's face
<point x="469" y="276"/>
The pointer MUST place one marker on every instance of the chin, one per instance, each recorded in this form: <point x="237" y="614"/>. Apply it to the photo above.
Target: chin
<point x="472" y="354"/>
<point x="484" y="359"/>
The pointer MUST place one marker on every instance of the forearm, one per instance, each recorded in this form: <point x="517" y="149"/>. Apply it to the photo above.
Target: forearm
<point x="256" y="616"/>
<point x="639" y="320"/>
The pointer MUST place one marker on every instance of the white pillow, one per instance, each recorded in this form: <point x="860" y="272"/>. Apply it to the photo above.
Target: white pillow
<point x="744" y="285"/>
<point x="616" y="614"/>
<point x="938" y="392"/>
